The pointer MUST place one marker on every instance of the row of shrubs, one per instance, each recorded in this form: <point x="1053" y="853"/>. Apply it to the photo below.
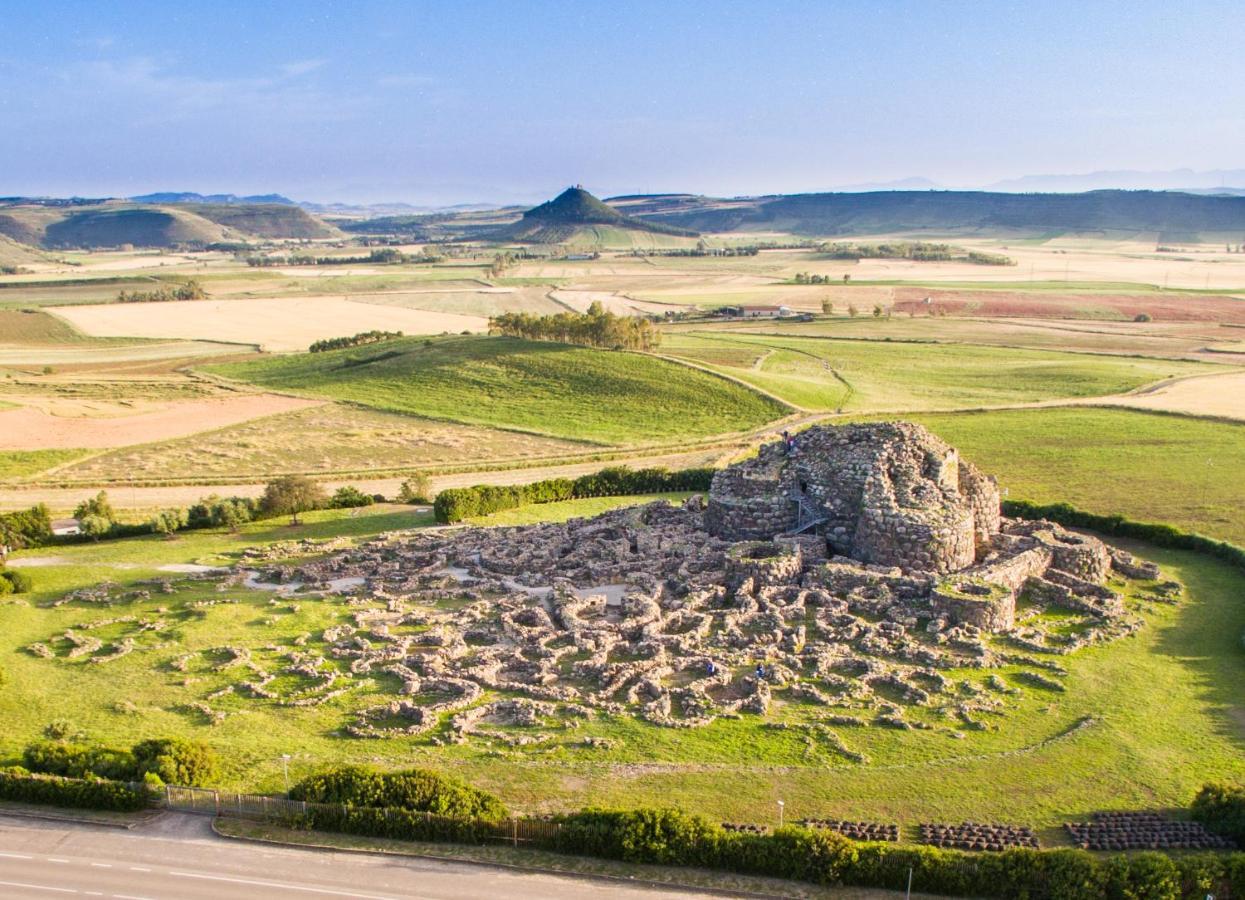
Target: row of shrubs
<point x="670" y="837"/>
<point x="21" y="786"/>
<point x="457" y="504"/>
<point x="1156" y="533"/>
<point x="158" y="761"/>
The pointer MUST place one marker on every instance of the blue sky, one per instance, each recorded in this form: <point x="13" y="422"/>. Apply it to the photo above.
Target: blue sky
<point x="431" y="102"/>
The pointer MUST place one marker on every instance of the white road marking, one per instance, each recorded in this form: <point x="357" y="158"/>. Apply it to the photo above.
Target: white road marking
<point x="38" y="887"/>
<point x="285" y="886"/>
<point x="16" y="856"/>
<point x="102" y="865"/>
<point x="57" y="859"/>
<point x="139" y="869"/>
<point x="128" y="897"/>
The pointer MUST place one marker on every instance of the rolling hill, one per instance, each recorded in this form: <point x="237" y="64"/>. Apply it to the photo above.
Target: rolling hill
<point x="117" y="223"/>
<point x="889" y="211"/>
<point x="557" y="390"/>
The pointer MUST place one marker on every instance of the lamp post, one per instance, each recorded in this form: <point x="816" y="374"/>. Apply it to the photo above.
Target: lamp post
<point x="781" y="804"/>
<point x="285" y="772"/>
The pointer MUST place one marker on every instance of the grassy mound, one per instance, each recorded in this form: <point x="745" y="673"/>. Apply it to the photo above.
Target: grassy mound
<point x="553" y="389"/>
<point x="267" y="220"/>
<point x="142" y="227"/>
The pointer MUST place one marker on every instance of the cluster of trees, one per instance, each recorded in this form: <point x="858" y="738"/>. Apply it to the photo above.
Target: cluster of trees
<point x="289" y="495"/>
<point x="807" y="278"/>
<point x="595" y="328"/>
<point x="701" y="249"/>
<point x="917" y="250"/>
<point x="380" y="255"/>
<point x="24" y="528"/>
<point x="355" y="340"/>
<point x="501" y="263"/>
<point x="190" y="290"/>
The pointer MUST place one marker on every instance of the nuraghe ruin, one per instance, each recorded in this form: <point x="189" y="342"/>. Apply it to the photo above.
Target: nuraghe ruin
<point x="862" y="572"/>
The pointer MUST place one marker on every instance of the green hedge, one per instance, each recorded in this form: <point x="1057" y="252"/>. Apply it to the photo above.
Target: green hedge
<point x="413" y="790"/>
<point x="1221" y="808"/>
<point x="174" y="760"/>
<point x="53" y="790"/>
<point x="394" y="823"/>
<point x="456" y="504"/>
<point x="1151" y="532"/>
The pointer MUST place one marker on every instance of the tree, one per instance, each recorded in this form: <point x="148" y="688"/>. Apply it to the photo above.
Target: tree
<point x="877" y="310"/>
<point x="167" y="521"/>
<point x="291" y="495"/>
<point x="416" y="489"/>
<point x="94" y="525"/>
<point x="827" y="307"/>
<point x="99" y="505"/>
<point x="852" y="311"/>
<point x="846" y="277"/>
<point x="231" y="514"/>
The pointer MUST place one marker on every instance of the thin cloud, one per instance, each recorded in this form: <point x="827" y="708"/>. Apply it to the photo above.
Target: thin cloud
<point x="301" y="67"/>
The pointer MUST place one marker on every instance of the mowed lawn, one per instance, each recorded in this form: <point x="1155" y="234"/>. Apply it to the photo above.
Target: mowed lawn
<point x="827" y="374"/>
<point x="1153" y="467"/>
<point x="552" y="389"/>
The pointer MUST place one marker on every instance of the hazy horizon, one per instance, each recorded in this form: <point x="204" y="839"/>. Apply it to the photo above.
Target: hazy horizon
<point x="485" y="102"/>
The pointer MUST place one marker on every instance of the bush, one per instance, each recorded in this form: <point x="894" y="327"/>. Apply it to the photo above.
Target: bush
<point x="76" y="760"/>
<point x="83" y="794"/>
<point x="1148" y="875"/>
<point x="413" y="790"/>
<point x="416" y="489"/>
<point x="349" y="497"/>
<point x="1221" y="808"/>
<point x="176" y="760"/>
<point x="456" y="504"/>
<point x="19" y="582"/>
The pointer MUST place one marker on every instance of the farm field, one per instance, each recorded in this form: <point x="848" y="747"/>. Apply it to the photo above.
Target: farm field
<point x="271" y="324"/>
<point x="828" y="374"/>
<point x="551" y="389"/>
<point x="316" y="439"/>
<point x="1204" y="342"/>
<point x="98" y="424"/>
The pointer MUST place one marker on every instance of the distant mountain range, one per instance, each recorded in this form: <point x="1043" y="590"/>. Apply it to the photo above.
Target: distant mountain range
<point x="1216" y="181"/>
<point x="192" y="197"/>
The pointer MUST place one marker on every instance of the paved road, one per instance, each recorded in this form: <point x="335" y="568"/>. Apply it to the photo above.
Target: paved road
<point x="178" y="856"/>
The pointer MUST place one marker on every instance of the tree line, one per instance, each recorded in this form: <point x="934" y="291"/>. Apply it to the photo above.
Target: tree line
<point x="380" y="255"/>
<point x="923" y="251"/>
<point x="190" y="290"/>
<point x="594" y="328"/>
<point x="355" y="340"/>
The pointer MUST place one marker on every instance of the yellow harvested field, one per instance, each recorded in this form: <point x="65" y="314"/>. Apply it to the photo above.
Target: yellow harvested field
<point x="32" y="428"/>
<point x="150" y="498"/>
<point x="277" y="324"/>
<point x="1203" y="395"/>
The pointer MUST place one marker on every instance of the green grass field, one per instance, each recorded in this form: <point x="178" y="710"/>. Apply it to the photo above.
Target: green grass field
<point x="552" y="389"/>
<point x="827" y="374"/>
<point x="21" y="463"/>
<point x="1143" y="723"/>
